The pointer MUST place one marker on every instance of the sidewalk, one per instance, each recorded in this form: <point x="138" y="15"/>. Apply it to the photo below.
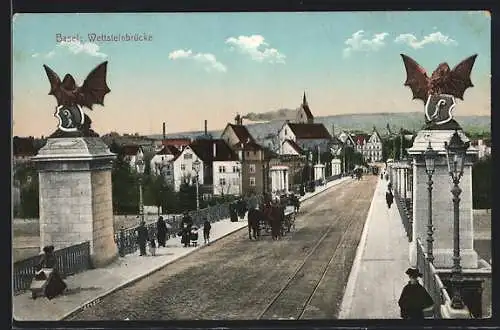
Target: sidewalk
<point x="88" y="287"/>
<point x="378" y="272"/>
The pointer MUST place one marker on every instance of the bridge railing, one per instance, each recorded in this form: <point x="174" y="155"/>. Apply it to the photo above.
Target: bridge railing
<point x="70" y="260"/>
<point x="126" y="239"/>
<point x="432" y="281"/>
<point x="406" y="215"/>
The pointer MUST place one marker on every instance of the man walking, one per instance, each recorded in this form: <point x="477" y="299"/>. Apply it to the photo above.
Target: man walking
<point x="206" y="231"/>
<point x="414" y="298"/>
<point x="142" y="237"/>
<point x="389" y="198"/>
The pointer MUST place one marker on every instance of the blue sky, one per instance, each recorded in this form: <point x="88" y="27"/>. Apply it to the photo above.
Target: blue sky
<point x="211" y="65"/>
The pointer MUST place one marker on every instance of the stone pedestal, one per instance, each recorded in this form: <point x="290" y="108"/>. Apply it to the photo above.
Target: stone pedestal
<point x="76" y="196"/>
<point x="319" y="172"/>
<point x="336" y="167"/>
<point x="442" y="204"/>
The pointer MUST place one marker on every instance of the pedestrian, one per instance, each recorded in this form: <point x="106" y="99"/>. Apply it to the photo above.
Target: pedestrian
<point x="54" y="283"/>
<point x="186" y="224"/>
<point x="161" y="231"/>
<point x="414" y="297"/>
<point x="389" y="198"/>
<point x="152" y="247"/>
<point x="206" y="231"/>
<point x="389" y="186"/>
<point x="142" y="238"/>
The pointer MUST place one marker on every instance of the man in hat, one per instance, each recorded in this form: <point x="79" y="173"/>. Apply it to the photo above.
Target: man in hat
<point x="206" y="230"/>
<point x="414" y="298"/>
<point x="186" y="224"/>
<point x="389" y="198"/>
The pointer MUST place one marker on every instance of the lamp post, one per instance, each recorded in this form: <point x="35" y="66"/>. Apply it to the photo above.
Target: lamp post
<point x="430" y="156"/>
<point x="455" y="156"/>
<point x="196" y="168"/>
<point x="140" y="167"/>
<point x="310" y="168"/>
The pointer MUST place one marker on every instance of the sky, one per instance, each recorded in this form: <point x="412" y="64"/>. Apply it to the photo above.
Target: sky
<point x="188" y="67"/>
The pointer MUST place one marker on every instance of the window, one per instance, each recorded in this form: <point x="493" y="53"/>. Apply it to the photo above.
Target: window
<point x="183" y="167"/>
<point x="235" y="169"/>
<point x="222" y="169"/>
<point x="251" y="168"/>
<point x="168" y="173"/>
<point x="222" y="181"/>
<point x="188" y="156"/>
<point x="252" y="181"/>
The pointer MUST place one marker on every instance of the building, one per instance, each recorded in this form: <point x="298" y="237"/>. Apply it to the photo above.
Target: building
<point x="304" y="114"/>
<point x="254" y="158"/>
<point x="304" y="133"/>
<point x="179" y="143"/>
<point x="373" y="147"/>
<point x="162" y="158"/>
<point x="226" y="171"/>
<point x="130" y="152"/>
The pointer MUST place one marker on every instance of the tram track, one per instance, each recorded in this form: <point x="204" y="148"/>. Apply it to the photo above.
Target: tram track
<point x="282" y="306"/>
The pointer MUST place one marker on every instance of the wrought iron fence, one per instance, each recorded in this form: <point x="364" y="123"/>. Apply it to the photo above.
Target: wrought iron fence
<point x="70" y="260"/>
<point x="126" y="239"/>
<point x="432" y="281"/>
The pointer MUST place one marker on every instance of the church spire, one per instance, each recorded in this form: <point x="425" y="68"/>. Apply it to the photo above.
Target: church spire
<point x="304" y="101"/>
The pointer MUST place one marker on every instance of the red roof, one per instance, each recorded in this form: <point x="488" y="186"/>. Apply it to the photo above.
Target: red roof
<point x="309" y="131"/>
<point x="22" y="147"/>
<point x="176" y="142"/>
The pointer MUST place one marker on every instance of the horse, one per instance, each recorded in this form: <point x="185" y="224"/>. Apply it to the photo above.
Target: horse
<point x="254" y="217"/>
<point x="275" y="216"/>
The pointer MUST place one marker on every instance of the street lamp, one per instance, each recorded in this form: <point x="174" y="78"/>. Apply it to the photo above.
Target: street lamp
<point x="430" y="156"/>
<point x="196" y="168"/>
<point x="140" y="166"/>
<point x="455" y="156"/>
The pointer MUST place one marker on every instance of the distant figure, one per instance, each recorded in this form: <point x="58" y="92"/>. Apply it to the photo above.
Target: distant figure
<point x="186" y="224"/>
<point x="206" y="231"/>
<point x="142" y="238"/>
<point x="389" y="186"/>
<point x="152" y="247"/>
<point x="414" y="298"/>
<point x="193" y="236"/>
<point x="161" y="231"/>
<point x="389" y="198"/>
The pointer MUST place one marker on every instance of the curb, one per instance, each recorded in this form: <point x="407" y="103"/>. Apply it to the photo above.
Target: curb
<point x="346" y="304"/>
<point x="97" y="299"/>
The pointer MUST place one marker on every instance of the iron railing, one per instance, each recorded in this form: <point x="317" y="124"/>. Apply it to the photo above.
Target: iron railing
<point x="406" y="216"/>
<point x="432" y="281"/>
<point x="126" y="239"/>
<point x="70" y="260"/>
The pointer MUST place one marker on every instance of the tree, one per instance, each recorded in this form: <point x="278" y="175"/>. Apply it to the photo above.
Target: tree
<point x="187" y="197"/>
<point x="125" y="188"/>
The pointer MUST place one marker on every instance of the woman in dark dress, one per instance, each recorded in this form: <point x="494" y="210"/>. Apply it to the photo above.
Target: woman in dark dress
<point x="414" y="298"/>
<point x="55" y="285"/>
<point x="161" y="231"/>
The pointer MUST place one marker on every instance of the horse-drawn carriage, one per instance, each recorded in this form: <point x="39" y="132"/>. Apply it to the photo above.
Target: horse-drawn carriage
<point x="276" y="218"/>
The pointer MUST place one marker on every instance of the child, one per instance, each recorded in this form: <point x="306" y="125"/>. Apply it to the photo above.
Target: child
<point x="152" y="247"/>
<point x="206" y="231"/>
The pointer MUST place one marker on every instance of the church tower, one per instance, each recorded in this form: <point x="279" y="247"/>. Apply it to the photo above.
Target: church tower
<point x="304" y="114"/>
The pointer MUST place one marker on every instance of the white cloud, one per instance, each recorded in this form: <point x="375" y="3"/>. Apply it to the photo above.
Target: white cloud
<point x="75" y="47"/>
<point x="257" y="48"/>
<point x="356" y="43"/>
<point x="433" y="38"/>
<point x="207" y="59"/>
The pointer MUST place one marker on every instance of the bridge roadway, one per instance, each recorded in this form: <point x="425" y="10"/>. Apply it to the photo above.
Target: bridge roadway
<point x="302" y="276"/>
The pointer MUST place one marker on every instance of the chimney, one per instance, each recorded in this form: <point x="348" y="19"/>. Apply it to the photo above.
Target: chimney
<point x="215" y="149"/>
<point x="164" y="130"/>
<point x="206" y="132"/>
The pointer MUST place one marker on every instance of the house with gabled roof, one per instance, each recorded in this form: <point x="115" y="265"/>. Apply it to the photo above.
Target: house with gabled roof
<point x="306" y="136"/>
<point x="219" y="167"/>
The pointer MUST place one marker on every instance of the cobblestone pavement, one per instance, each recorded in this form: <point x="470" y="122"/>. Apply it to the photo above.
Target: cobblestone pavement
<point x="235" y="278"/>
